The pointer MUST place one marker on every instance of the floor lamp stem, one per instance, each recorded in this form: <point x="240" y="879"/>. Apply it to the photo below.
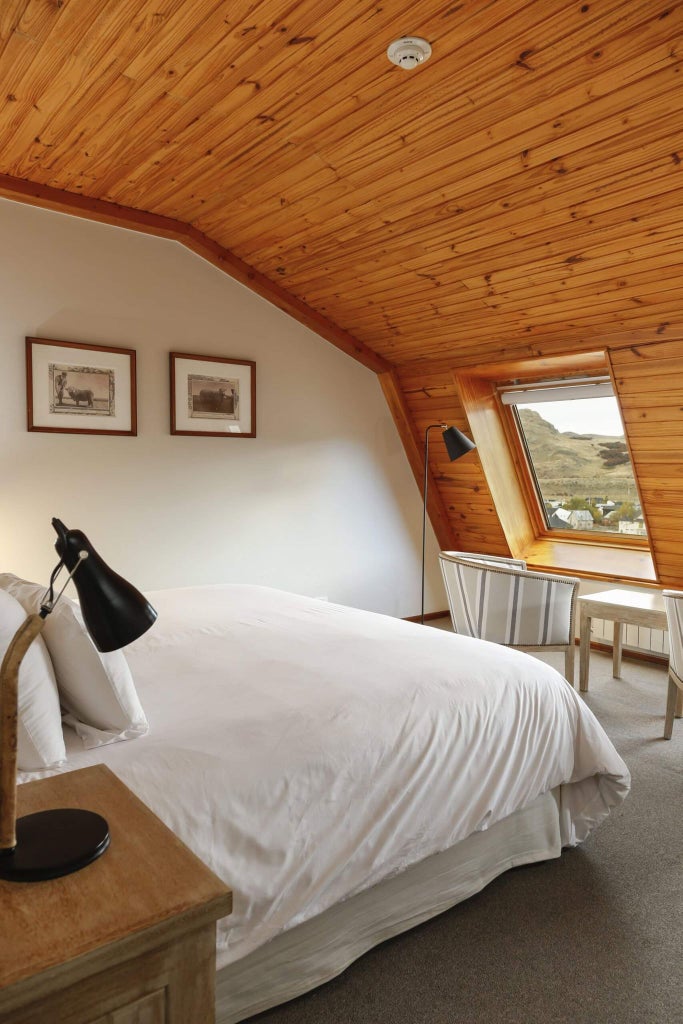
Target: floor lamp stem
<point x="424" y="525"/>
<point x="424" y="513"/>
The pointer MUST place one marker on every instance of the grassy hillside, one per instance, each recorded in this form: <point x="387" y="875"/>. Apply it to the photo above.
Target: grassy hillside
<point x="578" y="465"/>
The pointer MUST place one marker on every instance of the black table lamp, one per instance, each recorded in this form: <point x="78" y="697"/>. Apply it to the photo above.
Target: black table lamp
<point x="56" y="842"/>
<point x="457" y="444"/>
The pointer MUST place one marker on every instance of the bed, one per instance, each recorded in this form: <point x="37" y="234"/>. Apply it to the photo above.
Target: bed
<point x="348" y="774"/>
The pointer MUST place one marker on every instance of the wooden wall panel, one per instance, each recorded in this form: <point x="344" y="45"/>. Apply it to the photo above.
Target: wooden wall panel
<point x="431" y="398"/>
<point x="649" y="383"/>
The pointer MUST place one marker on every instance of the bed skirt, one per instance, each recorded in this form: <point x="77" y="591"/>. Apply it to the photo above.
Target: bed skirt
<point x="312" y="953"/>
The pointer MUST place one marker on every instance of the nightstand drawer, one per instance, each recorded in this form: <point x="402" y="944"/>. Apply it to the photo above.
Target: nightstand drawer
<point x="150" y="1009"/>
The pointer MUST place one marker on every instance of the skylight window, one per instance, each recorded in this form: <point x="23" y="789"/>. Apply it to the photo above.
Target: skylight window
<point x="574" y="441"/>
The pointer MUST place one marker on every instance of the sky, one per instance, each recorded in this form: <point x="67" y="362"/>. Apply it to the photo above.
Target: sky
<point x="581" y="415"/>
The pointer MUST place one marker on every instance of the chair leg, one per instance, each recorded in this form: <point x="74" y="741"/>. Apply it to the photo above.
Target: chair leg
<point x="569" y="656"/>
<point x="671" y="698"/>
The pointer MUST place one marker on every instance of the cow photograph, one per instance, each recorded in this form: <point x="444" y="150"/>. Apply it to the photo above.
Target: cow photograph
<point x="85" y="390"/>
<point x="213" y="398"/>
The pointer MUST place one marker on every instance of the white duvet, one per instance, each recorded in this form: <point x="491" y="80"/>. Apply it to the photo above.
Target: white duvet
<point x="306" y="750"/>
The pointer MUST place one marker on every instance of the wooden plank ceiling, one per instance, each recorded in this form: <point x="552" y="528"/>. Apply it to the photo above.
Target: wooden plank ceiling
<point x="519" y="194"/>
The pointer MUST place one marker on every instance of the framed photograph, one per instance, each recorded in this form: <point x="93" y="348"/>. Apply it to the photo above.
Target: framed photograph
<point x="213" y="396"/>
<point x="74" y="388"/>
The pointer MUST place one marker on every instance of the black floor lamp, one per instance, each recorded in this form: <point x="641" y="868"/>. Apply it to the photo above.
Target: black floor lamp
<point x="456" y="445"/>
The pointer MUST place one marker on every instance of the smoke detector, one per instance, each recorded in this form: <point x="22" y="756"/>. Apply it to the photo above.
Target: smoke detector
<point x="409" y="51"/>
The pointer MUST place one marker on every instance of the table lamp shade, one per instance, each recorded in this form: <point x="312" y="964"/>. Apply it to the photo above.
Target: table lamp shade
<point x="59" y="841"/>
<point x="114" y="612"/>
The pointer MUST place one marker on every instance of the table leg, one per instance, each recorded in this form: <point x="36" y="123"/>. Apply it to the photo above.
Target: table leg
<point x="616" y="649"/>
<point x="584" y="648"/>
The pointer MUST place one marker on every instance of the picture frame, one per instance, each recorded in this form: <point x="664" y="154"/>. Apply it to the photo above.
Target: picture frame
<point x="78" y="388"/>
<point x="212" y="396"/>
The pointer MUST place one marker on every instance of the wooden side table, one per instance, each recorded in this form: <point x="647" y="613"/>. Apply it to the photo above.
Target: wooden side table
<point x="619" y="606"/>
<point x="130" y="939"/>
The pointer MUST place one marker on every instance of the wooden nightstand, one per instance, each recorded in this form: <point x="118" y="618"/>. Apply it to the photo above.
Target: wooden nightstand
<point x="130" y="939"/>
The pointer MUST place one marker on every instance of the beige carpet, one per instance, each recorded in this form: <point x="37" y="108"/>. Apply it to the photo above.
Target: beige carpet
<point x="595" y="937"/>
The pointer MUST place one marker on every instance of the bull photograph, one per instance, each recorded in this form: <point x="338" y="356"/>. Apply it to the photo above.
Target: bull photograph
<point x="213" y="398"/>
<point x="75" y="387"/>
<point x="85" y="390"/>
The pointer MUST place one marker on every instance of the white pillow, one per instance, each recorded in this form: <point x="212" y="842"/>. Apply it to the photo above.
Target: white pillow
<point x="40" y="740"/>
<point x="96" y="690"/>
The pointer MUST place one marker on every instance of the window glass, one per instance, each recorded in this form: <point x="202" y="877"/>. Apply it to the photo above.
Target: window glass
<point x="580" y="461"/>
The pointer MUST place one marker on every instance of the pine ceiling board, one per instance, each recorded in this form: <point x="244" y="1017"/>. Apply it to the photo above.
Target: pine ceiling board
<point x="582" y="253"/>
<point x="552" y="123"/>
<point x="189" y="140"/>
<point x="185" y="33"/>
<point x="646" y="168"/>
<point x="166" y="103"/>
<point x="661" y="257"/>
<point x="164" y="100"/>
<point x="576" y="280"/>
<point x="586" y="159"/>
<point x="415" y="248"/>
<point x="652" y="293"/>
<point x="79" y="56"/>
<point x="280" y="56"/>
<point x="353" y="85"/>
<point x="84" y="127"/>
<point x="496" y="74"/>
<point x="467" y="344"/>
<point x="35" y="133"/>
<point x="272" y="124"/>
<point x="569" y="257"/>
<point x="625" y="242"/>
<point x="414" y="333"/>
<point x="28" y="19"/>
<point x="646" y="274"/>
<point x="574" y="244"/>
<point x="187" y="36"/>
<point x="470" y="346"/>
<point x="447" y="94"/>
<point x="648" y="355"/>
<point x="670" y="269"/>
<point x="23" y="54"/>
<point x="208" y="225"/>
<point x="322" y="121"/>
<point x="666" y="310"/>
<point x="658" y="296"/>
<point x="12" y="14"/>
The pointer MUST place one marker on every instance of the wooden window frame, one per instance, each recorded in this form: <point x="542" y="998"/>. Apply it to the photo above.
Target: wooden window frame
<point x="513" y="488"/>
<point x="531" y="489"/>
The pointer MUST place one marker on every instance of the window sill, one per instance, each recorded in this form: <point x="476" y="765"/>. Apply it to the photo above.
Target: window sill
<point x="592" y="561"/>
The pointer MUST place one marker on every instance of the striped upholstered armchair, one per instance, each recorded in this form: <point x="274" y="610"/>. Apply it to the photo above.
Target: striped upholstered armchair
<point x="673" y="602"/>
<point x="499" y="599"/>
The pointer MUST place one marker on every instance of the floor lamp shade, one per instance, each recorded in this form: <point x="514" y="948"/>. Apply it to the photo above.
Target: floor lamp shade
<point x="457" y="445"/>
<point x="60" y="841"/>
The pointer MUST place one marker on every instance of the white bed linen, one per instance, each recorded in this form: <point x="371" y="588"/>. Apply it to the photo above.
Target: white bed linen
<point x="306" y="750"/>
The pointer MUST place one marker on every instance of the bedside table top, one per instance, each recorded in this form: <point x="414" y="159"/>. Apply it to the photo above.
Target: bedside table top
<point x="147" y="884"/>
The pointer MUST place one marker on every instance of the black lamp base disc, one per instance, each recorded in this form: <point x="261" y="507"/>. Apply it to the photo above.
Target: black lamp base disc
<point x="54" y="843"/>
